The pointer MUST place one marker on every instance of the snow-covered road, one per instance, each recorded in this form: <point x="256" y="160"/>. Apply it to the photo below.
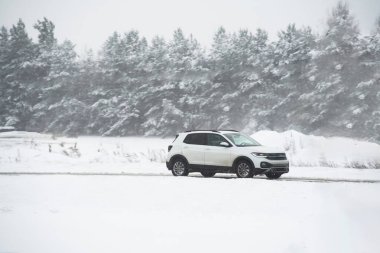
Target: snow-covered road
<point x="221" y="176"/>
<point x="161" y="213"/>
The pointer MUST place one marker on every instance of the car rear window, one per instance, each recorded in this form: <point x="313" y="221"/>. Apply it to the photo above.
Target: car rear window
<point x="175" y="138"/>
<point x="196" y="139"/>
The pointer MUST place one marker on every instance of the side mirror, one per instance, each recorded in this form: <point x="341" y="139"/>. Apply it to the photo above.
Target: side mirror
<point x="224" y="144"/>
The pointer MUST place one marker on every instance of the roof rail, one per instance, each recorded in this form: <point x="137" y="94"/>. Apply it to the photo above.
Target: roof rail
<point x="228" y="130"/>
<point x="210" y="130"/>
<point x="197" y="130"/>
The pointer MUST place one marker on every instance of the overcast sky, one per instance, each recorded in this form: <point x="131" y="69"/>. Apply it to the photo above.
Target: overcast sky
<point x="89" y="22"/>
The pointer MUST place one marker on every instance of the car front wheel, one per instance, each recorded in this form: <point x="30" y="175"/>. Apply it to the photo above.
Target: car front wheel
<point x="244" y="169"/>
<point x="179" y="168"/>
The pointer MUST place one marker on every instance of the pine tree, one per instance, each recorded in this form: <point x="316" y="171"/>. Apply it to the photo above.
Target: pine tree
<point x="18" y="74"/>
<point x="5" y="87"/>
<point x="292" y="57"/>
<point x="364" y="99"/>
<point x="53" y="112"/>
<point x="234" y="77"/>
<point x="259" y="85"/>
<point x="46" y="37"/>
<point x="123" y="62"/>
<point x="152" y="93"/>
<point x="326" y="84"/>
<point x="335" y="63"/>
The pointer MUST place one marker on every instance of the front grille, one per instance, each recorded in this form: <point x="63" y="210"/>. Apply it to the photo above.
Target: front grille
<point x="276" y="156"/>
<point x="282" y="165"/>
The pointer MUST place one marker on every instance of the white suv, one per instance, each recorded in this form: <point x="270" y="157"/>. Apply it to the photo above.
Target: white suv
<point x="225" y="151"/>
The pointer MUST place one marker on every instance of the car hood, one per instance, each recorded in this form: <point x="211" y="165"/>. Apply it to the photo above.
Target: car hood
<point x="262" y="149"/>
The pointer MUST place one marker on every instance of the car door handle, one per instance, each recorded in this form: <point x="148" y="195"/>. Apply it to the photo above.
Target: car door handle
<point x="207" y="148"/>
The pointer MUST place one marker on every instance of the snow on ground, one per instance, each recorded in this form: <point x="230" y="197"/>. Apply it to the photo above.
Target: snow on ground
<point x="65" y="213"/>
<point x="31" y="152"/>
<point x="308" y="150"/>
<point x="140" y="207"/>
<point x="34" y="152"/>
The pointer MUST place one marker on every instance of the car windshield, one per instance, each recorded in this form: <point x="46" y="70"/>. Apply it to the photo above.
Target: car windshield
<point x="241" y="140"/>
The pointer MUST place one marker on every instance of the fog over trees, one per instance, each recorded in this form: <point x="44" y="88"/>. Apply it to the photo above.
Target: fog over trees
<point x="327" y="83"/>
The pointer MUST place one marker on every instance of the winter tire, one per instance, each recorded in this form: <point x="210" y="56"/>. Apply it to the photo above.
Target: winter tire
<point x="273" y="175"/>
<point x="208" y="173"/>
<point x="244" y="169"/>
<point x="179" y="168"/>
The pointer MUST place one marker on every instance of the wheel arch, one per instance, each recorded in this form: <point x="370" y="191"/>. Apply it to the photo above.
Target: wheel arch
<point x="175" y="157"/>
<point x="240" y="158"/>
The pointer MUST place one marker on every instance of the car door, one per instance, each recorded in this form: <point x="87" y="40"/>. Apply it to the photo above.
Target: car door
<point x="215" y="154"/>
<point x="194" y="148"/>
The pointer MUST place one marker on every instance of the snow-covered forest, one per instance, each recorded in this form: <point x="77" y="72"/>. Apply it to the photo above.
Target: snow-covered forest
<point x="321" y="82"/>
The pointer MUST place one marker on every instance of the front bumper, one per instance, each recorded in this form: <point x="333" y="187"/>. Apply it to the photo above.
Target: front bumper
<point x="265" y="166"/>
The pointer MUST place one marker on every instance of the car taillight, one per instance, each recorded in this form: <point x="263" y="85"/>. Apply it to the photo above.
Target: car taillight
<point x="169" y="147"/>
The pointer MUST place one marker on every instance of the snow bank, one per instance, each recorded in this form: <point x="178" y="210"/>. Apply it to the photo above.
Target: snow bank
<point x="38" y="152"/>
<point x="308" y="150"/>
<point x="22" y="134"/>
<point x="25" y="151"/>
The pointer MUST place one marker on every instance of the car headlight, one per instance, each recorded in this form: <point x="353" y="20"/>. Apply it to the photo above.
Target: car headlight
<point x="258" y="154"/>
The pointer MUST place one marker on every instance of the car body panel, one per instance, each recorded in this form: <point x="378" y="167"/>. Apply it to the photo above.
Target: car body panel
<point x="195" y="154"/>
<point x="217" y="156"/>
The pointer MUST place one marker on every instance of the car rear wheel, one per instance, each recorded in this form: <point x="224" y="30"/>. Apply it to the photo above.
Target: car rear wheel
<point x="179" y="168"/>
<point x="208" y="173"/>
<point x="273" y="175"/>
<point x="244" y="169"/>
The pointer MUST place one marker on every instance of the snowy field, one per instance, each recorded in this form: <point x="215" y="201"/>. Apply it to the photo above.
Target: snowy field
<point x="310" y="156"/>
<point x="96" y="194"/>
<point x="66" y="213"/>
<point x="20" y="149"/>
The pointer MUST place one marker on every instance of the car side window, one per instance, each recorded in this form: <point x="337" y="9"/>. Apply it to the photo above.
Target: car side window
<point x="195" y="139"/>
<point x="215" y="139"/>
